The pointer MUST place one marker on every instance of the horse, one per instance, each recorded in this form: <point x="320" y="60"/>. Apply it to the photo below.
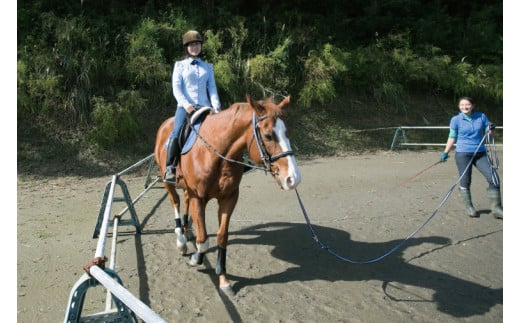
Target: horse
<point x="213" y="168"/>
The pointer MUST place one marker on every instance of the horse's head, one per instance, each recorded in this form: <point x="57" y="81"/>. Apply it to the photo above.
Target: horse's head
<point x="273" y="147"/>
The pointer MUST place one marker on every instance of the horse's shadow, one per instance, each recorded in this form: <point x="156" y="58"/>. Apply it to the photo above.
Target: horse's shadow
<point x="454" y="296"/>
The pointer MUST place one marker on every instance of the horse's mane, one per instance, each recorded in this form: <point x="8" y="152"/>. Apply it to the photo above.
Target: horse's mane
<point x="268" y="103"/>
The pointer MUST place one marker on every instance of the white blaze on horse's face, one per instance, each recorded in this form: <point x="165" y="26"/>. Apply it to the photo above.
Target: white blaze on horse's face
<point x="293" y="177"/>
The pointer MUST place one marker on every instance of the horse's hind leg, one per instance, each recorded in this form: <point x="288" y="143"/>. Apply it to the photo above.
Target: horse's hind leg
<point x="187" y="223"/>
<point x="175" y="201"/>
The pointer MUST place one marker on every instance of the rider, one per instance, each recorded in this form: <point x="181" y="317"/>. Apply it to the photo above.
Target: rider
<point x="193" y="80"/>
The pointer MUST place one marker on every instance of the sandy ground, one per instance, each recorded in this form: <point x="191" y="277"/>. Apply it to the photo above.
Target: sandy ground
<point x="361" y="207"/>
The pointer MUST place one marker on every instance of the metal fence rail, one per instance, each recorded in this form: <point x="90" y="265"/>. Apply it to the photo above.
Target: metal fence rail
<point x="402" y="131"/>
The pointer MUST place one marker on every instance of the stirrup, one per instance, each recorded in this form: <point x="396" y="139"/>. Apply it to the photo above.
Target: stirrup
<point x="169" y="174"/>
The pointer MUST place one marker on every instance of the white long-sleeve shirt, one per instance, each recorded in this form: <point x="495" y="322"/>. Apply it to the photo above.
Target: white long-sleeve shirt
<point x="194" y="83"/>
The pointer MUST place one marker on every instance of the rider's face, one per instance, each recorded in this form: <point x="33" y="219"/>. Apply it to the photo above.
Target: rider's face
<point x="194" y="48"/>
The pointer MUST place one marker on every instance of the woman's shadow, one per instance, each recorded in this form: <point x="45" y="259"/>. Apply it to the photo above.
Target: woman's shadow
<point x="454" y="296"/>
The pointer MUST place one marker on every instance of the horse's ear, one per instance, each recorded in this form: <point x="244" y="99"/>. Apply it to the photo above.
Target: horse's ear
<point x="255" y="105"/>
<point x="285" y="102"/>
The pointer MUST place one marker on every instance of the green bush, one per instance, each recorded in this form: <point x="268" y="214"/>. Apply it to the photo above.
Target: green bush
<point x="114" y="122"/>
<point x="106" y="66"/>
<point x="323" y="71"/>
<point x="145" y="61"/>
<point x="269" y="72"/>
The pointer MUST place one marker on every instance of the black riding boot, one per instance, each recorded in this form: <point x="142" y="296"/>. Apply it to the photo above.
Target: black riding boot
<point x="171" y="157"/>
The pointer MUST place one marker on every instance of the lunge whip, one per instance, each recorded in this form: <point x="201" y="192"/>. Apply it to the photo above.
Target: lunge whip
<point x="419" y="173"/>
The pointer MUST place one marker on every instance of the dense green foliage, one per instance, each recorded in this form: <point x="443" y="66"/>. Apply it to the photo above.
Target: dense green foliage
<point x="102" y="68"/>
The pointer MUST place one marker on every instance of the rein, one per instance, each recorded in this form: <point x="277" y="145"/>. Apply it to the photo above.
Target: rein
<point x="398" y="245"/>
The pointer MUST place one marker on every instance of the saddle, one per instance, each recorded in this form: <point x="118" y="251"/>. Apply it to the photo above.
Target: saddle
<point x="188" y="137"/>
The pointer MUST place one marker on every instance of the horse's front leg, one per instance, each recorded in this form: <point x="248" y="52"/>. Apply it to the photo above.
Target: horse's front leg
<point x="225" y="209"/>
<point x="198" y="216"/>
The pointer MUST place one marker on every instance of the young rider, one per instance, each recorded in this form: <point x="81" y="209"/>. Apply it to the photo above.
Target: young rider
<point x="193" y="83"/>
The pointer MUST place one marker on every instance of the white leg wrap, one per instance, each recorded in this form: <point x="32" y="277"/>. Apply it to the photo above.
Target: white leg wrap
<point x="181" y="239"/>
<point x="203" y="247"/>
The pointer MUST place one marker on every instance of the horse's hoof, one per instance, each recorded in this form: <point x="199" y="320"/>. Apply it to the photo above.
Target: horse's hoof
<point x="182" y="249"/>
<point x="181" y="242"/>
<point x="193" y="262"/>
<point x="196" y="259"/>
<point x="227" y="290"/>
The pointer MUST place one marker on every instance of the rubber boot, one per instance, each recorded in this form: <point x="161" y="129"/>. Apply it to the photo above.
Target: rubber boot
<point x="173" y="152"/>
<point x="465" y="194"/>
<point x="496" y="202"/>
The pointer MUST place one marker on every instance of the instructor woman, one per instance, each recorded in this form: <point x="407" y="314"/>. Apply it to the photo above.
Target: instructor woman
<point x="468" y="129"/>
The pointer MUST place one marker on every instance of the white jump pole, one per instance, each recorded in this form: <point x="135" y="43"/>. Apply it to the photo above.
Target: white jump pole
<point x="132" y="302"/>
<point x="112" y="285"/>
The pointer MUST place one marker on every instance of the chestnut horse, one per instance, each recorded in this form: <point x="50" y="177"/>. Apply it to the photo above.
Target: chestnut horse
<point x="213" y="168"/>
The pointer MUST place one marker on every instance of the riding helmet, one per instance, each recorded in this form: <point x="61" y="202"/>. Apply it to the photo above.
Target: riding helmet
<point x="190" y="37"/>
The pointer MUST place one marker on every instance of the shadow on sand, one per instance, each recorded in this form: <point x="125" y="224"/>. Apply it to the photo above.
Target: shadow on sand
<point x="453" y="296"/>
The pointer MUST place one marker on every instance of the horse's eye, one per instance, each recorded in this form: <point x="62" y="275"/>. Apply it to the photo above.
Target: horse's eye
<point x="271" y="136"/>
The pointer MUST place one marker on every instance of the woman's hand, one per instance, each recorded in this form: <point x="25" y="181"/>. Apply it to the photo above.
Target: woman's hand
<point x="190" y="109"/>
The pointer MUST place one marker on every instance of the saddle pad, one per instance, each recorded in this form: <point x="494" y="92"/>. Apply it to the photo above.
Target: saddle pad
<point x="191" y="137"/>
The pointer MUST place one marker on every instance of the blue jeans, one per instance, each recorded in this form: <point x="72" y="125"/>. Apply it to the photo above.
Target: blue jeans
<point x="180" y="118"/>
<point x="481" y="163"/>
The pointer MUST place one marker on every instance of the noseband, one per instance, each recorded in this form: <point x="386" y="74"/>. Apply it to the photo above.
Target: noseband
<point x="264" y="154"/>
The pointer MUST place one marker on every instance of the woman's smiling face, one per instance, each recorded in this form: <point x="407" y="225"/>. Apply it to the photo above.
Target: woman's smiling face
<point x="465" y="106"/>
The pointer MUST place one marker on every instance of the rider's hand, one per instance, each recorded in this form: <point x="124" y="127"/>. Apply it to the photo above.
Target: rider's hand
<point x="444" y="156"/>
<point x="190" y="109"/>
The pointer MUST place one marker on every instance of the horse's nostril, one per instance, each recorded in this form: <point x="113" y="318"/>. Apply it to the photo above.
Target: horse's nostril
<point x="289" y="182"/>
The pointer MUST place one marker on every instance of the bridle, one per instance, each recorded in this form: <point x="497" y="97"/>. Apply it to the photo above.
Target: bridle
<point x="264" y="154"/>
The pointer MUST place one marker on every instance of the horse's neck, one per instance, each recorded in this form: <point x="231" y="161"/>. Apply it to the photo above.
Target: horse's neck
<point x="231" y="130"/>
